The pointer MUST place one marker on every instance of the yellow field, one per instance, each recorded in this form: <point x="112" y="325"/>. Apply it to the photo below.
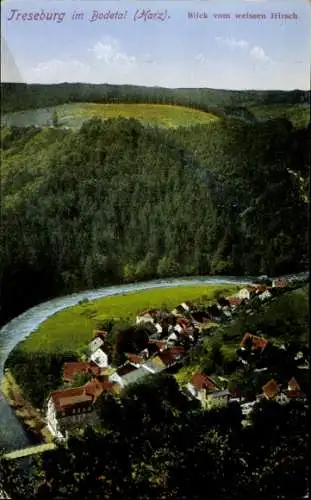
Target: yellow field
<point x="153" y="114"/>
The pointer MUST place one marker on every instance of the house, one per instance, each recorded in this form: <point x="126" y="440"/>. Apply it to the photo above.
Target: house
<point x="204" y="388"/>
<point x="117" y="377"/>
<point x="261" y="289"/>
<point x="279" y="283"/>
<point x="235" y="302"/>
<point x="146" y="317"/>
<point x="271" y="389"/>
<point x="100" y="358"/>
<point x="293" y="390"/>
<point x="73" y="368"/>
<point x="220" y="395"/>
<point x="254" y="342"/>
<point x="72" y="408"/>
<point x="245" y="293"/>
<point x="237" y="394"/>
<point x="169" y="357"/>
<point x="95" y="344"/>
<point x="265" y="295"/>
<point x="135" y="359"/>
<point x="134" y="376"/>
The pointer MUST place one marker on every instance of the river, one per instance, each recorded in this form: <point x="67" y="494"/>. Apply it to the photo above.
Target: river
<point x="12" y="434"/>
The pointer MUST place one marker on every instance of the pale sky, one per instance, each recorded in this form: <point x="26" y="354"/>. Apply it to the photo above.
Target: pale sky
<point x="177" y="52"/>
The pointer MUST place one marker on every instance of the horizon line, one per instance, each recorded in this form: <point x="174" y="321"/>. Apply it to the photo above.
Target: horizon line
<point x="159" y="86"/>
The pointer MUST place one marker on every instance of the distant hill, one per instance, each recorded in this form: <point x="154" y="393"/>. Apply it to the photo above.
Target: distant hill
<point x="20" y="96"/>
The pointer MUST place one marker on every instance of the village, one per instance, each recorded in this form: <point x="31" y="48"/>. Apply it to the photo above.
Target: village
<point x="172" y="336"/>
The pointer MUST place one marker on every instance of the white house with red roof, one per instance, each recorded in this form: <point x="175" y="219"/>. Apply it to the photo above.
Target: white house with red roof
<point x="204" y="388"/>
<point x="74" y="407"/>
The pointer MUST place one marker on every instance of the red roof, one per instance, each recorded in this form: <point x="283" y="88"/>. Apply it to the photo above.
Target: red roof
<point x="95" y="388"/>
<point x="79" y="397"/>
<point x="201" y="381"/>
<point x="99" y="333"/>
<point x="257" y="342"/>
<point x="271" y="389"/>
<point x="171" y="355"/>
<point x="73" y="368"/>
<point x="293" y="385"/>
<point x="235" y="301"/>
<point x="183" y="322"/>
<point x="134" y="358"/>
<point x="67" y="399"/>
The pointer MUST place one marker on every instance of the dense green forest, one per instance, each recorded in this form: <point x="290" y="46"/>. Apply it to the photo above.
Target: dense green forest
<point x="117" y="201"/>
<point x="155" y="444"/>
<point x="247" y="104"/>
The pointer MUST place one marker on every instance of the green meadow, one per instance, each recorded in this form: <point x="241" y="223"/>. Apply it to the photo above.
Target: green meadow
<point x="72" y="115"/>
<point x="71" y="329"/>
<point x="153" y="114"/>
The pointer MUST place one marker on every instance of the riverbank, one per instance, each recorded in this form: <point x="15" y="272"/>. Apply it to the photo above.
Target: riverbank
<point x="69" y="331"/>
<point x="31" y="418"/>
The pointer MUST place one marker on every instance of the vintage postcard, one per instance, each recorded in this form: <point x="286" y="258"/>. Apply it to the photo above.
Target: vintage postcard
<point x="154" y="255"/>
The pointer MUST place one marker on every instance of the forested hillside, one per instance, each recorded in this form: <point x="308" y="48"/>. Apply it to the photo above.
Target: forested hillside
<point x="117" y="201"/>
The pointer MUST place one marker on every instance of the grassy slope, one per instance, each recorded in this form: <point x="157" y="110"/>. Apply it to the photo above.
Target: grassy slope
<point x="72" y="328"/>
<point x="157" y="114"/>
<point x="153" y="114"/>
